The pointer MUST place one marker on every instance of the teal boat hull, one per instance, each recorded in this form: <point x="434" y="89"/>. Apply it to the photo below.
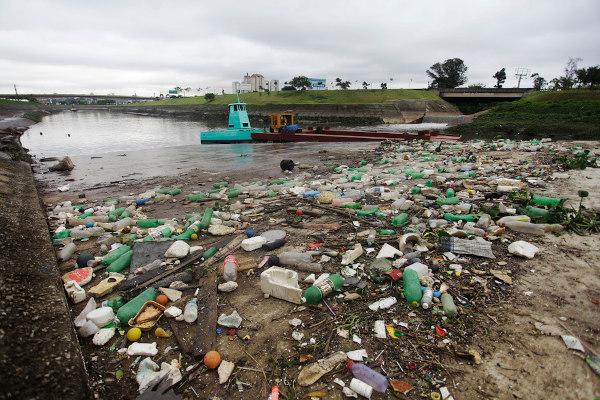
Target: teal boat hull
<point x="229" y="136"/>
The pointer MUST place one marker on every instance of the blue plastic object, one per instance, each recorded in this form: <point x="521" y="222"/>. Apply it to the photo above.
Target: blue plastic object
<point x="141" y="202"/>
<point x="249" y="232"/>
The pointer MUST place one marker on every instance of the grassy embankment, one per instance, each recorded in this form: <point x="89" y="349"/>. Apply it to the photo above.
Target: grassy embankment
<point x="305" y="97"/>
<point x="573" y="114"/>
<point x="7" y="102"/>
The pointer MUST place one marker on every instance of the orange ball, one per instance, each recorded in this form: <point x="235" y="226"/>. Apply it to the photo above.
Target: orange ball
<point x="162" y="299"/>
<point x="212" y="359"/>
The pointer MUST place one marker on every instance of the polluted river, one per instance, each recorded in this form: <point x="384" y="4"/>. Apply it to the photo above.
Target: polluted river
<point x="383" y="270"/>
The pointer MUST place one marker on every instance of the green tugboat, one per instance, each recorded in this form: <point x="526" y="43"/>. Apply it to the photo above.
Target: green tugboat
<point x="238" y="129"/>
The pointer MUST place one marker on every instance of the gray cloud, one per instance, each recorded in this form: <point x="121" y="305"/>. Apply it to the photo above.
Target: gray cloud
<point x="147" y="47"/>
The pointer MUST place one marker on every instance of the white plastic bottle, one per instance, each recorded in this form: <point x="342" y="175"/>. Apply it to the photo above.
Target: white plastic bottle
<point x="427" y="298"/>
<point x="190" y="314"/>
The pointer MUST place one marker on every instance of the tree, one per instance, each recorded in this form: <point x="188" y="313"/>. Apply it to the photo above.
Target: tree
<point x="588" y="76"/>
<point x="383" y="85"/>
<point x="449" y="74"/>
<point x="365" y="85"/>
<point x="500" y="78"/>
<point x="538" y="81"/>
<point x="476" y="86"/>
<point x="209" y="97"/>
<point x="299" y="82"/>
<point x="287" y="88"/>
<point x="342" y="84"/>
<point x="569" y="79"/>
<point x="187" y="89"/>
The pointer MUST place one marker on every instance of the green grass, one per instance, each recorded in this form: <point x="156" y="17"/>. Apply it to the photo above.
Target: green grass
<point x="6" y="102"/>
<point x="573" y="114"/>
<point x="306" y="97"/>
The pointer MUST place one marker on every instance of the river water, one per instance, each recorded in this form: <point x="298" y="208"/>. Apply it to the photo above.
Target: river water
<point x="108" y="146"/>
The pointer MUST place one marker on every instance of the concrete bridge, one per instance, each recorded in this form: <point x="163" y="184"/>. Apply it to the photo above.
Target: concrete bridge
<point x="55" y="96"/>
<point x="483" y="95"/>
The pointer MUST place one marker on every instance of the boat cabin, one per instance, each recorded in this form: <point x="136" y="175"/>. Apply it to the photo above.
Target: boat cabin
<point x="238" y="116"/>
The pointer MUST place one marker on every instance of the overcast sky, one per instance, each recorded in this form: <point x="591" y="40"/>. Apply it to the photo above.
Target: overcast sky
<point x="147" y="47"/>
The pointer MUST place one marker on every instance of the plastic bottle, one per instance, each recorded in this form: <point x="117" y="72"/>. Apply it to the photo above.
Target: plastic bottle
<point x="415" y="190"/>
<point x="114" y="254"/>
<point x="115" y="303"/>
<point x="206" y="217"/>
<point x="448" y="305"/>
<point x="120" y="263"/>
<point x="400" y="219"/>
<point x="412" y="287"/>
<point x="197" y="197"/>
<point x="67" y="251"/>
<point x="190" y="313"/>
<point x="369" y="376"/>
<point x="87" y="232"/>
<point x="131" y="308"/>
<point x="447" y="201"/>
<point x="371" y="237"/>
<point x="361" y="388"/>
<point x="427" y="298"/>
<point x="450" y="193"/>
<point x="352" y="205"/>
<point x="230" y="266"/>
<point x="115" y="214"/>
<point x="62" y="234"/>
<point x="315" y="293"/>
<point x="149" y="223"/>
<point x="208" y="253"/>
<point x="525" y="227"/>
<point x="367" y="212"/>
<point x="546" y="201"/>
<point x="536" y="212"/>
<point x="464" y="217"/>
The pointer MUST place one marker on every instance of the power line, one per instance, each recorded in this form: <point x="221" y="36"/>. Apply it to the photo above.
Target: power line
<point x="520" y="72"/>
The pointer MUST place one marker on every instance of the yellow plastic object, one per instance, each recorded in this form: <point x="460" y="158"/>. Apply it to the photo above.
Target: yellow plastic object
<point x="134" y="334"/>
<point x="160" y="332"/>
<point x="392" y="332"/>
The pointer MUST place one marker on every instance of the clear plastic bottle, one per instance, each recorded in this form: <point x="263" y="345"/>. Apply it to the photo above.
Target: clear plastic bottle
<point x="190" y="313"/>
<point x="369" y="376"/>
<point x="427" y="298"/>
<point x="525" y="227"/>
<point x="230" y="266"/>
<point x="371" y="237"/>
<point x="67" y="251"/>
<point x="448" y="305"/>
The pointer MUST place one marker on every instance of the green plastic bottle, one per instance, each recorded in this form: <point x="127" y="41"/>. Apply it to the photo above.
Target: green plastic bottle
<point x="356" y="177"/>
<point x="220" y="185"/>
<point x="233" y="193"/>
<point x="412" y="287"/>
<point x="114" y="254"/>
<point x="149" y="223"/>
<point x="450" y="193"/>
<point x="115" y="214"/>
<point x="315" y="293"/>
<point x="279" y="181"/>
<point x="120" y="263"/>
<point x="363" y="163"/>
<point x="448" y="305"/>
<point x="166" y="232"/>
<point x="168" y="190"/>
<point x="131" y="308"/>
<point x="536" y="212"/>
<point x="197" y="197"/>
<point x="206" y="217"/>
<point x="61" y="235"/>
<point x="386" y="232"/>
<point x="125" y="214"/>
<point x="429" y="183"/>
<point x="415" y="190"/>
<point x="446" y="201"/>
<point x="546" y="201"/>
<point x="209" y="253"/>
<point x="85" y="215"/>
<point x="353" y="206"/>
<point x="464" y="217"/>
<point x="367" y="212"/>
<point x="149" y="238"/>
<point x="400" y="219"/>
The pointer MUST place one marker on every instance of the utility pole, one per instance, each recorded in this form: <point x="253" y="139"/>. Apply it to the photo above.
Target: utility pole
<point x="16" y="93"/>
<point x="520" y="73"/>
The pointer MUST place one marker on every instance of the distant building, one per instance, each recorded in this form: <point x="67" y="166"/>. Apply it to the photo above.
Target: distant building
<point x="317" y="83"/>
<point x="254" y="83"/>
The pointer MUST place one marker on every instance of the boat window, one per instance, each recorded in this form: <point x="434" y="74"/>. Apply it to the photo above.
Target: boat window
<point x="235" y="108"/>
<point x="231" y="126"/>
<point x="241" y="107"/>
<point x="245" y="124"/>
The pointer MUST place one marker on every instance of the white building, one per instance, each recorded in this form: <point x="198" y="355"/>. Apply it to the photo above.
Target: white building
<point x="255" y="83"/>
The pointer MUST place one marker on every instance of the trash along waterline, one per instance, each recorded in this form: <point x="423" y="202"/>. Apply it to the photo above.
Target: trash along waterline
<point x="344" y="257"/>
